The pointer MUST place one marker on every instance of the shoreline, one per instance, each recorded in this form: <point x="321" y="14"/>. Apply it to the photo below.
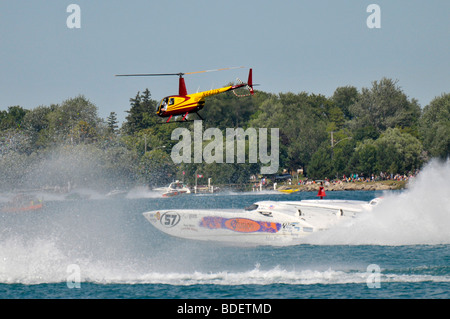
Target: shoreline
<point x="350" y="186"/>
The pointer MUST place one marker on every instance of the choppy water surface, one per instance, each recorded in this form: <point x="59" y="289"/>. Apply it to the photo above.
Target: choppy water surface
<point x="400" y="250"/>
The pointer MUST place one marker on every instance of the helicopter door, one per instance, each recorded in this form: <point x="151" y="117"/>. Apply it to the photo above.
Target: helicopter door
<point x="162" y="107"/>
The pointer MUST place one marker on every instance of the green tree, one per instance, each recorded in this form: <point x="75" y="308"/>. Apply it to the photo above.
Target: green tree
<point x="156" y="168"/>
<point x="36" y="119"/>
<point x="321" y="166"/>
<point x="12" y="118"/>
<point x="78" y="109"/>
<point x="435" y="126"/>
<point x="120" y="165"/>
<point x="366" y="132"/>
<point x="341" y="156"/>
<point x="364" y="158"/>
<point x="141" y="114"/>
<point x="336" y="119"/>
<point x="384" y="106"/>
<point x="65" y="120"/>
<point x="227" y="111"/>
<point x="398" y="152"/>
<point x="301" y="120"/>
<point x="344" y="98"/>
<point x="112" y="123"/>
<point x="83" y="132"/>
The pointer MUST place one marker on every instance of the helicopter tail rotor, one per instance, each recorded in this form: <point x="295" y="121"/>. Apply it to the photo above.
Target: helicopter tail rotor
<point x="249" y="85"/>
<point x="250" y="82"/>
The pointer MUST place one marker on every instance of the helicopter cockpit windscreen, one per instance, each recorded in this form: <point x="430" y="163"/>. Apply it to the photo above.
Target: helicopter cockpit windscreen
<point x="162" y="107"/>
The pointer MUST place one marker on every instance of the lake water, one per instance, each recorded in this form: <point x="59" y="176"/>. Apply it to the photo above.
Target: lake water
<point x="400" y="250"/>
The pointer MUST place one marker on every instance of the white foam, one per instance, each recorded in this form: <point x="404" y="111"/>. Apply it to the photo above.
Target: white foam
<point x="418" y="215"/>
<point x="143" y="192"/>
<point x="31" y="262"/>
<point x="40" y="261"/>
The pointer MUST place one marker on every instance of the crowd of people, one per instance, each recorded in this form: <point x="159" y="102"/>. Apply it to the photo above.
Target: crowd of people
<point x="383" y="176"/>
<point x="259" y="184"/>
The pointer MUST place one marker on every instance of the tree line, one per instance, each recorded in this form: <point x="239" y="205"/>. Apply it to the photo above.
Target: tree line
<point x="377" y="129"/>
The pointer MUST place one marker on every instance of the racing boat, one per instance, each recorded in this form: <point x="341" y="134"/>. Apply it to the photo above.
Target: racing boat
<point x="288" y="190"/>
<point x="174" y="188"/>
<point x="264" y="222"/>
<point x="22" y="203"/>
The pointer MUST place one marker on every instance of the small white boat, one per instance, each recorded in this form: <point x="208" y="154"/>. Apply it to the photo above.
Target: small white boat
<point x="174" y="188"/>
<point x="263" y="223"/>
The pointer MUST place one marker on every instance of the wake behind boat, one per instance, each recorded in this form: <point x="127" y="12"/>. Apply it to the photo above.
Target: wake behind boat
<point x="264" y="222"/>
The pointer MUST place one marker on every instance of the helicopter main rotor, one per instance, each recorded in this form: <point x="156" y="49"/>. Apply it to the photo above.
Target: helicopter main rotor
<point x="180" y="74"/>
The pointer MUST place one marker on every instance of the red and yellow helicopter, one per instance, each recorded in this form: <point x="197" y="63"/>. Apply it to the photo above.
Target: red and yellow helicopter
<point x="184" y="103"/>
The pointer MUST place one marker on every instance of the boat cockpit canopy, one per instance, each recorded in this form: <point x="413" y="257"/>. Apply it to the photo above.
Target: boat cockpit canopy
<point x="251" y="207"/>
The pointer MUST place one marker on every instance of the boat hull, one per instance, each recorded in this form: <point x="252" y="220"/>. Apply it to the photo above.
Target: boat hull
<point x="21" y="208"/>
<point x="263" y="223"/>
<point x="230" y="226"/>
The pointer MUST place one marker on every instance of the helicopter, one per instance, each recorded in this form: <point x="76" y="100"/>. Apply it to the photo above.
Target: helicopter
<point x="184" y="103"/>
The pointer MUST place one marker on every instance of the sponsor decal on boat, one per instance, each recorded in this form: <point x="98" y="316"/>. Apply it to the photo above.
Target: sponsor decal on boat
<point x="241" y="225"/>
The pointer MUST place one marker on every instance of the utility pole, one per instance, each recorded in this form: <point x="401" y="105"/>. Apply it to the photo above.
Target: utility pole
<point x="334" y="144"/>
